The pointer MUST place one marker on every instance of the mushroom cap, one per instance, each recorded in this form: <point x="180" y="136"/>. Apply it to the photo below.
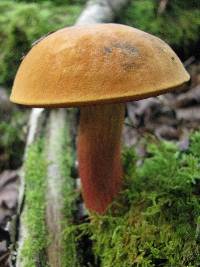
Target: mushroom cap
<point x="99" y="63"/>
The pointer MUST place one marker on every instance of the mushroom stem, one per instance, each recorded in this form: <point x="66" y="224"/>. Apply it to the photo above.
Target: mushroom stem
<point x="99" y="154"/>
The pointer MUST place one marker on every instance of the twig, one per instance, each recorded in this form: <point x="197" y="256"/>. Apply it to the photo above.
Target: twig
<point x="189" y="61"/>
<point x="162" y="6"/>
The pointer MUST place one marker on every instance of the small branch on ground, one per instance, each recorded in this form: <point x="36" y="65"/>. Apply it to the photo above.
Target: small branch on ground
<point x="162" y="6"/>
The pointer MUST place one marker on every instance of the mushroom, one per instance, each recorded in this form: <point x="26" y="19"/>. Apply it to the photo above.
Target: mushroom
<point x="97" y="68"/>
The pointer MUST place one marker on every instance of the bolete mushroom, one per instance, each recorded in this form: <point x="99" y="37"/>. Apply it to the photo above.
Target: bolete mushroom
<point x="97" y="68"/>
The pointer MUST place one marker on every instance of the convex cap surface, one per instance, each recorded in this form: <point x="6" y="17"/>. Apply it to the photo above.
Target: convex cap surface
<point x="97" y="63"/>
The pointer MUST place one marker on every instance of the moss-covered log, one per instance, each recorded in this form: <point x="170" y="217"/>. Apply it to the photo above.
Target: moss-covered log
<point x="59" y="194"/>
<point x="47" y="202"/>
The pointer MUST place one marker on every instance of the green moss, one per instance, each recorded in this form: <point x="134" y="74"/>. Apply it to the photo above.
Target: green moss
<point x="158" y="213"/>
<point x="179" y="25"/>
<point x="21" y="24"/>
<point x="33" y="251"/>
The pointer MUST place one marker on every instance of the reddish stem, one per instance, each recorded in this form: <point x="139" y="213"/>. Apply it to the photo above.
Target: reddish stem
<point x="99" y="154"/>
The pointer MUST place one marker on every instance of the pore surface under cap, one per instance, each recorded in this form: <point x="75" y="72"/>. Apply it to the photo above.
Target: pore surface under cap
<point x="97" y="63"/>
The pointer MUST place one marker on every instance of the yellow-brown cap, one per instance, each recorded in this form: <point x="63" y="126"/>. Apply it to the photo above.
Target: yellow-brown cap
<point x="93" y="64"/>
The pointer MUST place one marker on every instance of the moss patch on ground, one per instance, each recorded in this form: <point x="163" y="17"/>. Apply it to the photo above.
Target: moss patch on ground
<point x="157" y="217"/>
<point x="23" y="23"/>
<point x="179" y="24"/>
